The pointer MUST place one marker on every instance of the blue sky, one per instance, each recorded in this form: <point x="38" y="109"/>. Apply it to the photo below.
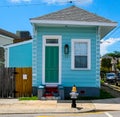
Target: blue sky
<point x="15" y="15"/>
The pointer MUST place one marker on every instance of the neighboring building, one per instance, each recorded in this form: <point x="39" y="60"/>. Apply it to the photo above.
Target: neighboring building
<point x="19" y="55"/>
<point x="66" y="51"/>
<point x="18" y="48"/>
<point x="16" y="54"/>
<point x="23" y="36"/>
<point x="5" y="39"/>
<point x="18" y="63"/>
<point x="1" y="56"/>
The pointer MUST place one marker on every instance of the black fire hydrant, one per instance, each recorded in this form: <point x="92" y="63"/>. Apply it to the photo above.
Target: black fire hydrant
<point x="74" y="96"/>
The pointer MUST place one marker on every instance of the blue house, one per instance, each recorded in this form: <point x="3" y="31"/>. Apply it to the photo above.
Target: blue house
<point x="66" y="52"/>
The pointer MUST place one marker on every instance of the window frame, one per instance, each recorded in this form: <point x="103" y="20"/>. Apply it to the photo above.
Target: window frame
<point x="59" y="44"/>
<point x="88" y="41"/>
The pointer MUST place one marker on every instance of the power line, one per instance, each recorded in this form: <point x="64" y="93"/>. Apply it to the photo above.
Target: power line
<point x="66" y="2"/>
<point x="35" y="4"/>
<point x="41" y="3"/>
<point x="112" y="33"/>
<point x="20" y="5"/>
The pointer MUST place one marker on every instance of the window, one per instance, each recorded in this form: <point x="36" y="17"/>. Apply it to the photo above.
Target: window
<point x="81" y="54"/>
<point x="52" y="41"/>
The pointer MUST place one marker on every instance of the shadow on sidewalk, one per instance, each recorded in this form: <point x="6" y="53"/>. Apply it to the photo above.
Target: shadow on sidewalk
<point x="77" y="101"/>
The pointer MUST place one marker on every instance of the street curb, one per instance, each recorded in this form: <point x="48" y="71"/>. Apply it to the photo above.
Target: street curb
<point x="49" y="112"/>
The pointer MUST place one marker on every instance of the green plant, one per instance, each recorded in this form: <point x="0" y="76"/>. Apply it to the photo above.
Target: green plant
<point x="29" y="98"/>
<point x="103" y="80"/>
<point x="106" y="65"/>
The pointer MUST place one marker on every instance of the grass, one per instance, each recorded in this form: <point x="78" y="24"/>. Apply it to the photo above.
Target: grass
<point x="29" y="98"/>
<point x="105" y="95"/>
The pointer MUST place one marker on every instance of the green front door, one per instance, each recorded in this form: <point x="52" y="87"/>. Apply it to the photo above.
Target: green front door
<point x="51" y="64"/>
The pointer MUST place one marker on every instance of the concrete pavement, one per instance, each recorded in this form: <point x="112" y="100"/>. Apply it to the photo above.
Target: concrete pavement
<point x="107" y="104"/>
<point x="54" y="106"/>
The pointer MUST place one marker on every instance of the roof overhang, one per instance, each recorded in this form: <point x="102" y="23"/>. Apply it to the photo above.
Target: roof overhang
<point x="5" y="40"/>
<point x="105" y="28"/>
<point x="6" y="37"/>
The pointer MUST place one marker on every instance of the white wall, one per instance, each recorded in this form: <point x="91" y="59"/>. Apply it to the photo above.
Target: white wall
<point x="4" y="40"/>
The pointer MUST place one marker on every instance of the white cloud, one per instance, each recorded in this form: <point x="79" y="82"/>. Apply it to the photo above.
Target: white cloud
<point x="77" y="2"/>
<point x="18" y="1"/>
<point x="106" y="44"/>
<point x="82" y="2"/>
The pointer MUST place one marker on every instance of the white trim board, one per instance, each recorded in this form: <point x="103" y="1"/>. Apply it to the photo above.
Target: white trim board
<point x="43" y="56"/>
<point x="19" y="43"/>
<point x="59" y="22"/>
<point x="88" y="52"/>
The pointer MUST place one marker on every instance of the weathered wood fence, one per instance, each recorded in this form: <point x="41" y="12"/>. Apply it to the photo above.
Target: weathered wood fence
<point x="15" y="82"/>
<point x="7" y="82"/>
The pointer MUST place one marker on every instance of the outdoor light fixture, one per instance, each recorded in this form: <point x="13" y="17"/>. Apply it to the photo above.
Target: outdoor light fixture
<point x="66" y="49"/>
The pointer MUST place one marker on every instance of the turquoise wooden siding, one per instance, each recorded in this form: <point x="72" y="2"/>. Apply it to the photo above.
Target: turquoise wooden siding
<point x="81" y="78"/>
<point x="20" y="55"/>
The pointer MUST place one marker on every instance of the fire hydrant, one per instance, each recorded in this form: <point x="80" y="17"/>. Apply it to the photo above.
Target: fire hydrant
<point x="74" y="96"/>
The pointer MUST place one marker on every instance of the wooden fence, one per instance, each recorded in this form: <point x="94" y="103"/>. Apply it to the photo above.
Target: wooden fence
<point x="23" y="82"/>
<point x="7" y="82"/>
<point x="15" y="82"/>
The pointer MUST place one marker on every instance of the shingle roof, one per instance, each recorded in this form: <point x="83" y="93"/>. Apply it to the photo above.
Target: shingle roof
<point x="73" y="13"/>
<point x="8" y="34"/>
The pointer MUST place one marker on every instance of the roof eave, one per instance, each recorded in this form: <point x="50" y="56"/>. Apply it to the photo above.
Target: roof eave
<point x="80" y="23"/>
<point x="105" y="27"/>
<point x="6" y="37"/>
<point x="104" y="30"/>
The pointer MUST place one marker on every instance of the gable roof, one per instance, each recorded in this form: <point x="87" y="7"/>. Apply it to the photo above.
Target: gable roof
<point x="77" y="17"/>
<point x="73" y="13"/>
<point x="8" y="34"/>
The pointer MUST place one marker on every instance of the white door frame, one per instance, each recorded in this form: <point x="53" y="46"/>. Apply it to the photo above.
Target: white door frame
<point x="59" y="44"/>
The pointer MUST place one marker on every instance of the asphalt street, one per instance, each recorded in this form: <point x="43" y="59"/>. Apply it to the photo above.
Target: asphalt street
<point x="91" y="114"/>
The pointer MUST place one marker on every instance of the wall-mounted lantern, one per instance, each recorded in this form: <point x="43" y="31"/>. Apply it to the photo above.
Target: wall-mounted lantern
<point x="66" y="49"/>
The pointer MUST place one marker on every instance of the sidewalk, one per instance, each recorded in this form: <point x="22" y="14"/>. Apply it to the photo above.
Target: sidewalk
<point x="54" y="106"/>
<point x="107" y="104"/>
